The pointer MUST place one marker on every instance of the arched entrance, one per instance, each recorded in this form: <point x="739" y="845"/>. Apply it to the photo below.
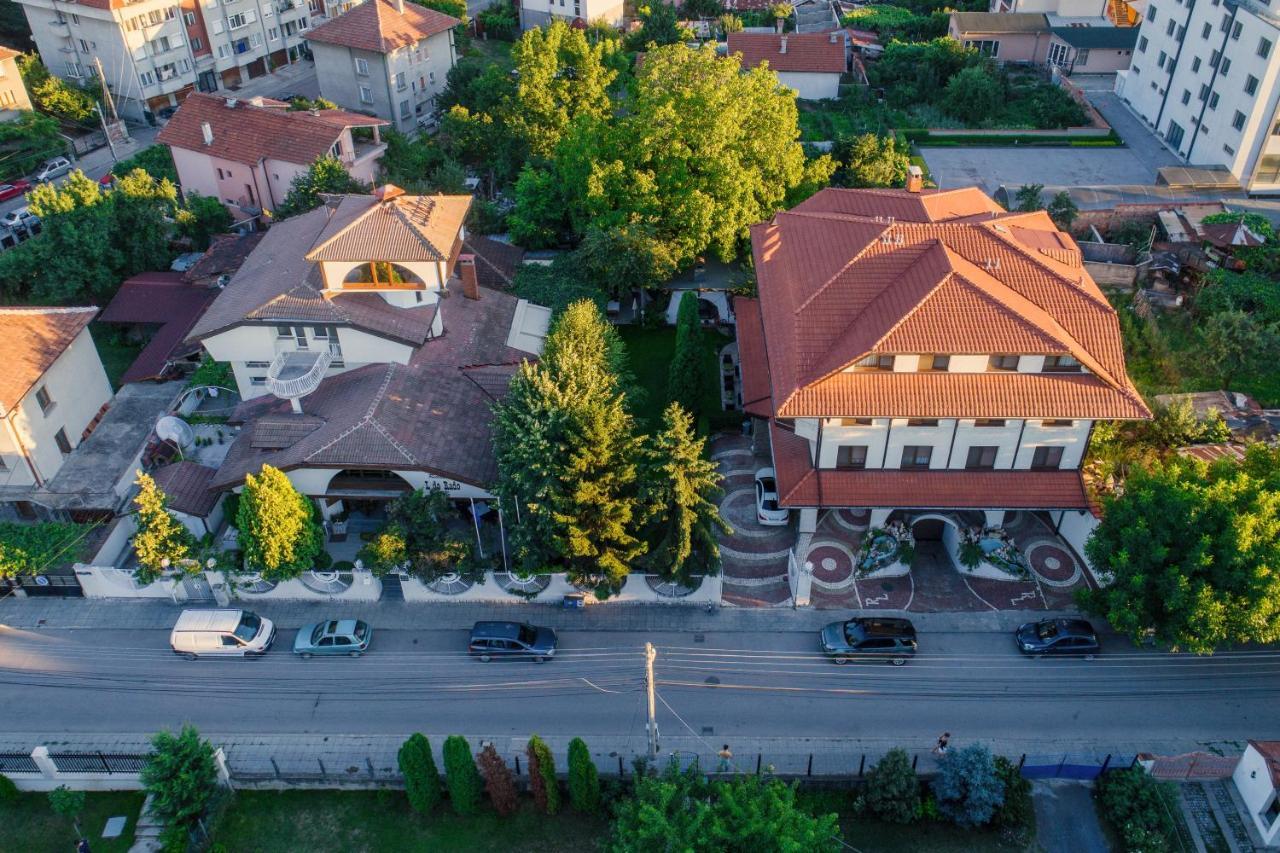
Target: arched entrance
<point x="366" y="492"/>
<point x="928" y="529"/>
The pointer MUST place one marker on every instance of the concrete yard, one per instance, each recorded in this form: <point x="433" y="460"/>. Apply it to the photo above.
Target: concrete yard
<point x="989" y="168"/>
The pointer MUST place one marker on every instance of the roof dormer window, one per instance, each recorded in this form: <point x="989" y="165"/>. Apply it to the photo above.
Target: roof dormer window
<point x="935" y="363"/>
<point x="1003" y="363"/>
<point x="875" y="362"/>
<point x="1061" y="364"/>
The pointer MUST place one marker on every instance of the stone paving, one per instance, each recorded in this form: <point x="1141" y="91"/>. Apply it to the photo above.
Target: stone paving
<point x="754" y="556"/>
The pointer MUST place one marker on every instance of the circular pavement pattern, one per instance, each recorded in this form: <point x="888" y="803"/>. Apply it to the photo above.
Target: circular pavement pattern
<point x="1052" y="563"/>
<point x="852" y="519"/>
<point x="739" y="509"/>
<point x="832" y="566"/>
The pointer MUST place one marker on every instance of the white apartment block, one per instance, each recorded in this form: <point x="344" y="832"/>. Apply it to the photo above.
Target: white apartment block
<point x="154" y="52"/>
<point x="1206" y="79"/>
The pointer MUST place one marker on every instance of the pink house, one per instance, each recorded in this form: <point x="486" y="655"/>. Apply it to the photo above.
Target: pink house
<point x="247" y="152"/>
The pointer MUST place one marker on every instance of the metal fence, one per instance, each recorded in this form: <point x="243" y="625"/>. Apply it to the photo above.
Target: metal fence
<point x="18" y="762"/>
<point x="97" y="762"/>
<point x="1073" y="765"/>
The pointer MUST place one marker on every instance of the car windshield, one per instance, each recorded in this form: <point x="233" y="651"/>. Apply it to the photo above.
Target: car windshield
<point x="1047" y="630"/>
<point x="768" y="484"/>
<point x="852" y="632"/>
<point x="317" y="634"/>
<point x="361" y="630"/>
<point x="528" y="634"/>
<point x="769" y="504"/>
<point x="248" y="627"/>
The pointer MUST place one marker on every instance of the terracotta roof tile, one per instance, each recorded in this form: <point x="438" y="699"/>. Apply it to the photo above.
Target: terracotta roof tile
<point x="187" y="485"/>
<point x="246" y="134"/>
<point x="377" y="25"/>
<point x="401" y="228"/>
<point x="818" y="53"/>
<point x="496" y="262"/>
<point x="226" y="254"/>
<point x="753" y="359"/>
<point x="31" y="339"/>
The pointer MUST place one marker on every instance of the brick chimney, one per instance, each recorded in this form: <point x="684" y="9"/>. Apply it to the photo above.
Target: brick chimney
<point x="783" y="47"/>
<point x="467" y="272"/>
<point x="207" y="130"/>
<point x="915" y="179"/>
<point x="400" y="6"/>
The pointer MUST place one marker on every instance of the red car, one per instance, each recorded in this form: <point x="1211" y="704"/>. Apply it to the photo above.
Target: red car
<point x="13" y="190"/>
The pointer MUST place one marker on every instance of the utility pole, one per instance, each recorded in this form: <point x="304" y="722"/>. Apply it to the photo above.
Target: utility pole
<point x="106" y="92"/>
<point x="107" y="131"/>
<point x="652" y="725"/>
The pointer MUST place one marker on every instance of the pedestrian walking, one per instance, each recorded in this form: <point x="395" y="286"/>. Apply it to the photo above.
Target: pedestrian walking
<point x="726" y="756"/>
<point x="941" y="748"/>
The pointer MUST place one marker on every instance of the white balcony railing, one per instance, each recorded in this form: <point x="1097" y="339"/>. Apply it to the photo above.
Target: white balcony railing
<point x="297" y="373"/>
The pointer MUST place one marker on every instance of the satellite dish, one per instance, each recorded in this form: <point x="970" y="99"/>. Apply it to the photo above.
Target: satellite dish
<point x="175" y="429"/>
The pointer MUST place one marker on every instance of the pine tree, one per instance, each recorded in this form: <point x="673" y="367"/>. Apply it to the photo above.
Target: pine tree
<point x="498" y="782"/>
<point x="681" y="491"/>
<point x="584" y="778"/>
<point x="160" y="536"/>
<point x="686" y="377"/>
<point x="460" y="771"/>
<point x="892" y="789"/>
<point x="279" y="535"/>
<point x="542" y="776"/>
<point x="181" y="775"/>
<point x="421" y="778"/>
<point x="567" y="451"/>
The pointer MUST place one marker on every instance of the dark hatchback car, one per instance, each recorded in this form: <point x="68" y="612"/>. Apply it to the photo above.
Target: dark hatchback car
<point x="892" y="640"/>
<point x="1058" y="637"/>
<point x="510" y="640"/>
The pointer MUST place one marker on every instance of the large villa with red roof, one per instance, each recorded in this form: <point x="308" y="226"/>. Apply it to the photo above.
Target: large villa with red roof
<point x="927" y="357"/>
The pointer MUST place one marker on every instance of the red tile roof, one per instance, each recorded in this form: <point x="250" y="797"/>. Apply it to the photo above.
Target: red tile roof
<point x="849" y="273"/>
<point x="165" y="299"/>
<point x="377" y="25"/>
<point x="1270" y="752"/>
<point x="395" y="227"/>
<point x="8" y="53"/>
<point x="799" y="484"/>
<point x="246" y="134"/>
<point x="815" y="53"/>
<point x="188" y="487"/>
<point x="31" y="339"/>
<point x="752" y="358"/>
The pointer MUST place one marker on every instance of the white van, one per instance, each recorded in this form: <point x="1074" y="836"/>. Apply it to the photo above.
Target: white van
<point x="221" y="633"/>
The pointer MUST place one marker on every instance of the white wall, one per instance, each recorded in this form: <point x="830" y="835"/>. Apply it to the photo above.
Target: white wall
<point x="1253" y="781"/>
<point x="1076" y="527"/>
<point x="811" y="86"/>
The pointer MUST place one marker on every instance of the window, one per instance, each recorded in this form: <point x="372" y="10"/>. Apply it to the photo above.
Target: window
<point x="1046" y="458"/>
<point x="876" y="362"/>
<point x="1213" y="101"/>
<point x="189" y="18"/>
<point x="1173" y="25"/>
<point x="989" y="422"/>
<point x="273" y="34"/>
<point x="1272" y="812"/>
<point x="366" y="95"/>
<point x="986" y="47"/>
<point x="1204" y="91"/>
<point x="1226" y="22"/>
<point x="405" y="109"/>
<point x="43" y="399"/>
<point x="321" y="333"/>
<point x="60" y="438"/>
<point x="1275" y="131"/>
<point x="916" y="455"/>
<point x="848" y="422"/>
<point x="1061" y="364"/>
<point x="1208" y="28"/>
<point x="1160" y="61"/>
<point x="258" y="381"/>
<point x="922" y="422"/>
<point x="237" y="21"/>
<point x="1226" y="66"/>
<point x="1214" y="57"/>
<point x="362" y="67"/>
<point x="4" y="464"/>
<point x="1264" y="47"/>
<point x="257" y="365"/>
<point x="1057" y="423"/>
<point x="1002" y="362"/>
<point x="1250" y="85"/>
<point x="1186" y="96"/>
<point x="284" y="332"/>
<point x="1151" y="13"/>
<point x="1142" y="44"/>
<point x="1237" y="121"/>
<point x="941" y="363"/>
<point x="197" y="43"/>
<point x="147" y="78"/>
<point x="981" y="457"/>
<point x="400" y="82"/>
<point x="1195" y="64"/>
<point x="1235" y="31"/>
<point x="851" y="456"/>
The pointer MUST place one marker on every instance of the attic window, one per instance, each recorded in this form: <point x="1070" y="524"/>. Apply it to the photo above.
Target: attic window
<point x="876" y="362"/>
<point x="1061" y="364"/>
<point x="1002" y="362"/>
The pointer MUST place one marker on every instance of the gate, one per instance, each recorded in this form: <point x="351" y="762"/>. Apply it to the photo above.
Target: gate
<point x="59" y="585"/>
<point x="1072" y="765"/>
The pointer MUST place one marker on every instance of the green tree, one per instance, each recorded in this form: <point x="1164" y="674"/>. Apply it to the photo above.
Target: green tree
<point x="543" y="783"/>
<point x="541" y="214"/>
<point x="967" y="787"/>
<point x="419" y="520"/>
<point x="870" y="160"/>
<point x="9" y="793"/>
<point x="161" y="539"/>
<point x="687" y="375"/>
<point x="28" y="140"/>
<point x="1029" y="198"/>
<point x="67" y="803"/>
<point x="702" y="8"/>
<point x="917" y="73"/>
<point x="453" y="8"/>
<point x="421" y="778"/>
<point x="298" y="105"/>
<point x="1234" y="343"/>
<point x="56" y="96"/>
<point x="659" y="27"/>
<point x="892" y="789"/>
<point x="584" y="778"/>
<point x="279" y="535"/>
<point x="624" y="259"/>
<point x="31" y="549"/>
<point x="1140" y="809"/>
<point x="682" y="488"/>
<point x="181" y="776"/>
<point x="155" y="160"/>
<point x="686" y="811"/>
<point x="1182" y="547"/>
<point x="326" y="175"/>
<point x="730" y="23"/>
<point x="973" y="94"/>
<point x="566" y="448"/>
<point x="1062" y="210"/>
<point x="498" y="782"/>
<point x="201" y="219"/>
<point x="465" y="785"/>
<point x="560" y="77"/>
<point x="1018" y="810"/>
<point x="556" y="285"/>
<point x="142" y="209"/>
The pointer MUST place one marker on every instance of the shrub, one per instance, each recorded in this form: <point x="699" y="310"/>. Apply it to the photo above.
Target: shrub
<point x="584" y="779"/>
<point x="1017" y="809"/>
<point x="893" y="791"/>
<point x="967" y="787"/>
<point x="421" y="778"/>
<point x="8" y="790"/>
<point x="464" y="780"/>
<point x="1139" y="808"/>
<point x="181" y="776"/>
<point x="498" y="781"/>
<point x="67" y="803"/>
<point x="542" y="776"/>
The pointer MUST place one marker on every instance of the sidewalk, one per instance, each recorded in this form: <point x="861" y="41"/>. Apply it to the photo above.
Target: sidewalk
<point x="154" y="614"/>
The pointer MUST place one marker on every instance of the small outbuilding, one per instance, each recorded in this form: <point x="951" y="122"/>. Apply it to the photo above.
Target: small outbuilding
<point x="810" y="63"/>
<point x="1257" y="779"/>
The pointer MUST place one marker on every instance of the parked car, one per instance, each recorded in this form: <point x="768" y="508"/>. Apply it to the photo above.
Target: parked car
<point x="1058" y="637"/>
<point x="870" y="639"/>
<point x="54" y="168"/>
<point x="767" y="510"/>
<point x="21" y="220"/>
<point x="221" y="633"/>
<point x="287" y="97"/>
<point x="166" y="113"/>
<point x="13" y="190"/>
<point x="333" y="637"/>
<point x="500" y="640"/>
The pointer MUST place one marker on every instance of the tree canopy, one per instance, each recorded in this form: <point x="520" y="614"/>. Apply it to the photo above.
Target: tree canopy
<point x="29" y="549"/>
<point x="870" y="160"/>
<point x="326" y="175"/>
<point x="161" y="539"/>
<point x="279" y="535"/>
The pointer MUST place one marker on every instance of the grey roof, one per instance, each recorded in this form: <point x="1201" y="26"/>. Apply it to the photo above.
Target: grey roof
<point x="186" y="484"/>
<point x="1098" y="38"/>
<point x="1000" y="22"/>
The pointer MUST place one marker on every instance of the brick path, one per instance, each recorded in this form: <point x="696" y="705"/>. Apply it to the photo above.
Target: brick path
<point x="754" y="557"/>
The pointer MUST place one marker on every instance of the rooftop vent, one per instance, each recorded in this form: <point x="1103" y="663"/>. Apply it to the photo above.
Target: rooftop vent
<point x="207" y="130"/>
<point x="231" y="103"/>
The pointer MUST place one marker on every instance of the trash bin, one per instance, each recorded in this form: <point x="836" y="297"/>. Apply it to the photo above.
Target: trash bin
<point x="575" y="599"/>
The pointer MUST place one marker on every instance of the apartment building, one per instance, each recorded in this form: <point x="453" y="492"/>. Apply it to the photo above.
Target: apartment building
<point x="13" y="92"/>
<point x="153" y="53"/>
<point x="366" y="351"/>
<point x="1206" y="78"/>
<point x="386" y="58"/>
<point x="916" y="352"/>
<point x="539" y="13"/>
<point x="1121" y="13"/>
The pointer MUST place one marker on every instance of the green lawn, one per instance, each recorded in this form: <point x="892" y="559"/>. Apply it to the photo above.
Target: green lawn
<point x="351" y="821"/>
<point x="651" y="350"/>
<point x="30" y="826"/>
<point x="115" y="350"/>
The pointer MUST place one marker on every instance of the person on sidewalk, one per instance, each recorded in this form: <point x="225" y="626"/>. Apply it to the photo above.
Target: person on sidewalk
<point x="725" y="758"/>
<point x="941" y="748"/>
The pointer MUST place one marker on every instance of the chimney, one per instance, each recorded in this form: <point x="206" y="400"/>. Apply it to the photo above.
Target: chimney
<point x="255" y="101"/>
<point x="400" y="6"/>
<point x="467" y="272"/>
<point x="783" y="48"/>
<point x="833" y="36"/>
<point x="207" y="130"/>
<point x="915" y="179"/>
<point x="231" y="103"/>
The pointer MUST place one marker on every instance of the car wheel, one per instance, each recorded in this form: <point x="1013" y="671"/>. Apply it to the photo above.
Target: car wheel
<point x="306" y="655"/>
<point x="539" y="659"/>
<point x="841" y="661"/>
<point x="190" y="656"/>
<point x="1089" y="657"/>
<point x="899" y="661"/>
<point x="355" y="654"/>
<point x="485" y="658"/>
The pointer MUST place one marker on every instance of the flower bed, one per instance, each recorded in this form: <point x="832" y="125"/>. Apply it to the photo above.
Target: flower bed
<point x="981" y="547"/>
<point x="883" y="546"/>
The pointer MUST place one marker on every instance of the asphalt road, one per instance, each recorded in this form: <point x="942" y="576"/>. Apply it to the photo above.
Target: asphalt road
<point x="734" y="684"/>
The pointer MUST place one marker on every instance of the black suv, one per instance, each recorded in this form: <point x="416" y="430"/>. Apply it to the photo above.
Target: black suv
<point x="888" y="639"/>
<point x="499" y="640"/>
<point x="1058" y="637"/>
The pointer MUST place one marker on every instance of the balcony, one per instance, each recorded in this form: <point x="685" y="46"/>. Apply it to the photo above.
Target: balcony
<point x="297" y="373"/>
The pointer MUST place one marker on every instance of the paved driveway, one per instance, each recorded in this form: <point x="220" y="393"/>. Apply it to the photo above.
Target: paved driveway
<point x="989" y="168"/>
<point x="1066" y="820"/>
<point x="1137" y="136"/>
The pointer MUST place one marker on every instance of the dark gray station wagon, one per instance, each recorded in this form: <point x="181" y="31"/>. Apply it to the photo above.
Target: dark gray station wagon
<point x="868" y="639"/>
<point x="499" y="640"/>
